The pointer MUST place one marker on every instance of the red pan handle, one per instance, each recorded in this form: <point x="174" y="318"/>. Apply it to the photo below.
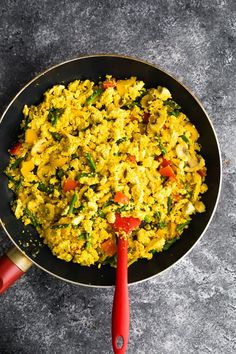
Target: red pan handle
<point x="120" y="311"/>
<point x="12" y="266"/>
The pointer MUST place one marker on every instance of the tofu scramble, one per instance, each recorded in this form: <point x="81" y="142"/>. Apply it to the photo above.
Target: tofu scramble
<point x="91" y="153"/>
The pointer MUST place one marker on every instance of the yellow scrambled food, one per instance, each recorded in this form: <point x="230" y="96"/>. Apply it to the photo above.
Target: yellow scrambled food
<point x="90" y="152"/>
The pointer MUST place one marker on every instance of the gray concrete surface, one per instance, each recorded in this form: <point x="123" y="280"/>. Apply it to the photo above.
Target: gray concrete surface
<point x="190" y="308"/>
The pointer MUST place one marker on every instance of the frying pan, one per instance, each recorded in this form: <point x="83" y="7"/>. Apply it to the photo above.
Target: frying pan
<point x="28" y="247"/>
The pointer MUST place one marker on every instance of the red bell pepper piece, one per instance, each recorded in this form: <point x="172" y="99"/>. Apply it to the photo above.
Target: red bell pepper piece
<point x="15" y="149"/>
<point x="165" y="163"/>
<point x="121" y="198"/>
<point x="70" y="184"/>
<point x="202" y="172"/>
<point x="126" y="224"/>
<point x="107" y="84"/>
<point x="167" y="172"/>
<point x="109" y="247"/>
<point x="132" y="158"/>
<point x="176" y="197"/>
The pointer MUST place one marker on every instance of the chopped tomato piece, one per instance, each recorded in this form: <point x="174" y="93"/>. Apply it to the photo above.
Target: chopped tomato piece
<point x="15" y="149"/>
<point x="109" y="247"/>
<point x="167" y="172"/>
<point x="132" y="158"/>
<point x="69" y="185"/>
<point x="121" y="198"/>
<point x="202" y="172"/>
<point x="176" y="197"/>
<point x="126" y="224"/>
<point x="162" y="160"/>
<point x="146" y="117"/>
<point x="165" y="163"/>
<point x="107" y="84"/>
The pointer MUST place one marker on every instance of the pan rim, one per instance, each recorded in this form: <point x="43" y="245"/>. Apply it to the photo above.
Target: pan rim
<point x="212" y="127"/>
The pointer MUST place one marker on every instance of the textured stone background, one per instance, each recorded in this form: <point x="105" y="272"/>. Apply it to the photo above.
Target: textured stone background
<point x="190" y="308"/>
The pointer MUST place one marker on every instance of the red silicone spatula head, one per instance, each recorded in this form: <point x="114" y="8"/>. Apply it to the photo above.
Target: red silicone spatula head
<point x="120" y="311"/>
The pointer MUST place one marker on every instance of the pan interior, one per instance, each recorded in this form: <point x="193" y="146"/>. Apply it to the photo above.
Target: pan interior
<point x="95" y="68"/>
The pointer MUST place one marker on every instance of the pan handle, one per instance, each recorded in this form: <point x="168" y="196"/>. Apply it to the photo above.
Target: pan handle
<point x="120" y="310"/>
<point x="12" y="266"/>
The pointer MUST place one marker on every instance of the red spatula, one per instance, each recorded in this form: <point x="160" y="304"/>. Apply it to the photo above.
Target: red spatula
<point x="120" y="311"/>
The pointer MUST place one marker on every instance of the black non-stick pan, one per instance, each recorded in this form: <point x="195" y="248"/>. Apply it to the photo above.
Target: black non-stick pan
<point x="27" y="241"/>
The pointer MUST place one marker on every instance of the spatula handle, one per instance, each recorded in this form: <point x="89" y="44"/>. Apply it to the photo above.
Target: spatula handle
<point x="120" y="311"/>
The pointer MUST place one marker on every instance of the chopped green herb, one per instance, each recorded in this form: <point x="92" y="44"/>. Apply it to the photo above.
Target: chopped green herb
<point x="169" y="243"/>
<point x="108" y="203"/>
<point x="81" y="207"/>
<point x="123" y="208"/>
<point x="88" y="245"/>
<point x="153" y="251"/>
<point x="130" y="105"/>
<point x="169" y="204"/>
<point x="72" y="203"/>
<point x="101" y="214"/>
<point x="60" y="226"/>
<point x="74" y="156"/>
<point x="147" y="219"/>
<point x="94" y="187"/>
<point x="91" y="99"/>
<point x="138" y="99"/>
<point x="174" y="113"/>
<point x="136" y="102"/>
<point x="90" y="162"/>
<point x="157" y="215"/>
<point x="26" y="122"/>
<point x="184" y="138"/>
<point x="48" y="189"/>
<point x="161" y="225"/>
<point x="174" y="108"/>
<point x="32" y="218"/>
<point x="54" y="114"/>
<point x="127" y="106"/>
<point x="181" y="227"/>
<point x="121" y="140"/>
<point x="60" y="173"/>
<point x="161" y="146"/>
<point x="56" y="136"/>
<point x="84" y="236"/>
<point x="169" y="102"/>
<point x="110" y="260"/>
<point x="77" y="226"/>
<point x="86" y="174"/>
<point x="17" y="163"/>
<point x="13" y="180"/>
